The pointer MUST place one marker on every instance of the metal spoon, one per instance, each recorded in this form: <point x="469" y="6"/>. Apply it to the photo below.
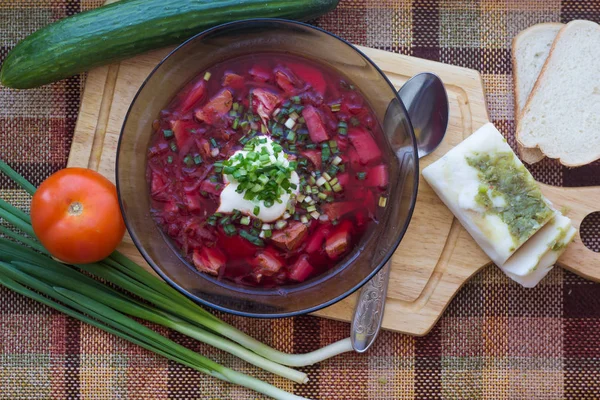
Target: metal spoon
<point x="426" y="101"/>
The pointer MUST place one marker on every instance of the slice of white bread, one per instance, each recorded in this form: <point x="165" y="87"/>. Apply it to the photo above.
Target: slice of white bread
<point x="530" y="49"/>
<point x="562" y="114"/>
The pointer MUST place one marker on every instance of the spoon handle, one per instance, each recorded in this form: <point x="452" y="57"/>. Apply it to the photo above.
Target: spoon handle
<point x="368" y="314"/>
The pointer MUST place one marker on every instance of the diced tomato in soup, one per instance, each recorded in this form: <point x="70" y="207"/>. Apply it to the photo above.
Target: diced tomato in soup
<point x="330" y="138"/>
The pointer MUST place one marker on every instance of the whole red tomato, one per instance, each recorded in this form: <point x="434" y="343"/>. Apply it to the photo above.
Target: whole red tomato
<point x="75" y="214"/>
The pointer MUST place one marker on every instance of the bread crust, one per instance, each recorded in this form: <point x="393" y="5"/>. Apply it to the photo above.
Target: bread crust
<point x="537" y="86"/>
<point x="530" y="155"/>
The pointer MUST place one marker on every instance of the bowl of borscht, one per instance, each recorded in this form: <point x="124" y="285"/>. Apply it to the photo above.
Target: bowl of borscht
<point x="267" y="168"/>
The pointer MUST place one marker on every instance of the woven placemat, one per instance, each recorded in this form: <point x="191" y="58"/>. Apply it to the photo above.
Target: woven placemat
<point x="495" y="341"/>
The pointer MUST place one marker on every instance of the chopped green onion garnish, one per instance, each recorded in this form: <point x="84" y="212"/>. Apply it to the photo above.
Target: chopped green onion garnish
<point x="197" y="159"/>
<point x="268" y="203"/>
<point x="170" y="159"/>
<point x="245" y="220"/>
<point x="188" y="160"/>
<point x="325" y="153"/>
<point x="290" y="123"/>
<point x="382" y="201"/>
<point x="252" y="238"/>
<point x="207" y="76"/>
<point x="256" y="210"/>
<point x="291" y="136"/>
<point x="315" y="214"/>
<point x="173" y="146"/>
<point x="336" y="107"/>
<point x="168" y="133"/>
<point x="213" y="142"/>
<point x="322" y="196"/>
<point x="304" y="219"/>
<point x="311" y="208"/>
<point x="235" y="124"/>
<point x="321" y="181"/>
<point x="280" y="224"/>
<point x="361" y="176"/>
<point x="296" y="99"/>
<point x="337" y="187"/>
<point x="230" y="230"/>
<point x="291" y="208"/>
<point x="268" y="233"/>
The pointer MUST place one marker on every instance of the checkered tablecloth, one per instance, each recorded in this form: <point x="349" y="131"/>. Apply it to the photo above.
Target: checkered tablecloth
<point x="495" y="341"/>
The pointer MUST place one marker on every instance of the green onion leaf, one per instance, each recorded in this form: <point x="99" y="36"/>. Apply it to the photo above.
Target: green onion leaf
<point x="168" y="133"/>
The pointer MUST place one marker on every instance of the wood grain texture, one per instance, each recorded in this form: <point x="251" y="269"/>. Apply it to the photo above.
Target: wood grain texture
<point x="436" y="257"/>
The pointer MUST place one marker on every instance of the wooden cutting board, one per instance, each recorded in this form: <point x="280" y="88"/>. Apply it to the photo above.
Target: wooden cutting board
<point x="436" y="257"/>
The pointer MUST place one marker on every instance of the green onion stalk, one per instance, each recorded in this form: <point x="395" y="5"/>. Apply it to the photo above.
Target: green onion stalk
<point x="114" y="322"/>
<point x="188" y="310"/>
<point x="167" y="306"/>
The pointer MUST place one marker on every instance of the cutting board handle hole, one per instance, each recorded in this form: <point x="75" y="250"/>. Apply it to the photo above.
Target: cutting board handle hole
<point x="590" y="231"/>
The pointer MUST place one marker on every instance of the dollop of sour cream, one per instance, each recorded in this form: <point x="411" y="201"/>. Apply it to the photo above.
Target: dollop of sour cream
<point x="232" y="200"/>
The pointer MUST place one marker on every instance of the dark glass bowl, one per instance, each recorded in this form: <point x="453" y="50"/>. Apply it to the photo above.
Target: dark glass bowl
<point x="241" y="38"/>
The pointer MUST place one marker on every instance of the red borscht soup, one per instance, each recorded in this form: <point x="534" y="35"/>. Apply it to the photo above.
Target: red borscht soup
<point x="267" y="170"/>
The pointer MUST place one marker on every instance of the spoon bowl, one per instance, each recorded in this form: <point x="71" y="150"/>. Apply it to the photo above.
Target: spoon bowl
<point x="426" y="101"/>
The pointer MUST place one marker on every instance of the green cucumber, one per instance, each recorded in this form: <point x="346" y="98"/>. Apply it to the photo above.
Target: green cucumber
<point x="129" y="27"/>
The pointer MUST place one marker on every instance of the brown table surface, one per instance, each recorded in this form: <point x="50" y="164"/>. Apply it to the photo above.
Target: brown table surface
<point x="495" y="341"/>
